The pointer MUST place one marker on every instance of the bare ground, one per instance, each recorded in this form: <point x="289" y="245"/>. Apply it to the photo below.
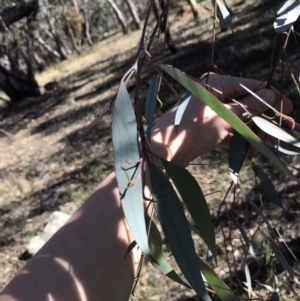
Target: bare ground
<point x="45" y="166"/>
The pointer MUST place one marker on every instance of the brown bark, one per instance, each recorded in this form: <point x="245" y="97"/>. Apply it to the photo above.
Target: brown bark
<point x="12" y="14"/>
<point x="61" y="49"/>
<point x="134" y="13"/>
<point x="87" y="24"/>
<point x="69" y="29"/>
<point x="48" y="47"/>
<point x="120" y="16"/>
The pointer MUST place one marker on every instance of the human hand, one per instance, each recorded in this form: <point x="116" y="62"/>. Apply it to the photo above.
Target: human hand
<point x="201" y="129"/>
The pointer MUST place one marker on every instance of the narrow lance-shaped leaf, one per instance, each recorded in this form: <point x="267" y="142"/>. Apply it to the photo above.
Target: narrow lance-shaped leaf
<point x="200" y="92"/>
<point x="281" y="258"/>
<point x="286" y="148"/>
<point x="274" y="296"/>
<point x="176" y="229"/>
<point x="221" y="289"/>
<point x="245" y="237"/>
<point x="268" y="287"/>
<point x="126" y="157"/>
<point x="266" y="183"/>
<point x="130" y="248"/>
<point x="264" y="218"/>
<point x="275" y="131"/>
<point x="194" y="200"/>
<point x="248" y="279"/>
<point x="296" y="70"/>
<point x="287" y="15"/>
<point x="150" y="106"/>
<point x="237" y="147"/>
<point x="223" y="15"/>
<point x="181" y="107"/>
<point x="155" y="243"/>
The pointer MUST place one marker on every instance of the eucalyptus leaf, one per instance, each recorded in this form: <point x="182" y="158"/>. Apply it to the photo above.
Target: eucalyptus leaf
<point x="237" y="147"/>
<point x="268" y="287"/>
<point x="286" y="148"/>
<point x="248" y="279"/>
<point x="160" y="263"/>
<point x="223" y="15"/>
<point x="296" y="71"/>
<point x="181" y="107"/>
<point x="264" y="218"/>
<point x="176" y="229"/>
<point x="281" y="258"/>
<point x="275" y="131"/>
<point x="221" y="289"/>
<point x="200" y="92"/>
<point x="287" y="15"/>
<point x="266" y="183"/>
<point x="194" y="200"/>
<point x="130" y="247"/>
<point x="127" y="166"/>
<point x="245" y="237"/>
<point x="259" y="98"/>
<point x="150" y="106"/>
<point x="274" y="297"/>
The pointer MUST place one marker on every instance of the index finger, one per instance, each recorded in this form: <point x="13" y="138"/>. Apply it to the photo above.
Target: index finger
<point x="227" y="86"/>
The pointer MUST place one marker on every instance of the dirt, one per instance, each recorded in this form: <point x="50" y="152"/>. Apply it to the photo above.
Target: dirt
<point x="48" y="164"/>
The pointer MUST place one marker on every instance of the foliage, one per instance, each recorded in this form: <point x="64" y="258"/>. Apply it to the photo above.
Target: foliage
<point x="134" y="162"/>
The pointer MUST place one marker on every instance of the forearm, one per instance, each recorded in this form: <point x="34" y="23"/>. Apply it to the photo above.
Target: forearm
<point x="84" y="260"/>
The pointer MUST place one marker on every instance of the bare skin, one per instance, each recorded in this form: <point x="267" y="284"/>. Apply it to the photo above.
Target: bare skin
<point x="84" y="260"/>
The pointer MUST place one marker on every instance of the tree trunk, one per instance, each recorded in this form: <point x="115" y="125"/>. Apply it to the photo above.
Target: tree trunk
<point x="87" y="24"/>
<point x="69" y="29"/>
<point x="15" y="83"/>
<point x="61" y="49"/>
<point x="48" y="47"/>
<point x="134" y="13"/>
<point x="12" y="14"/>
<point x="120" y="16"/>
<point x="195" y="8"/>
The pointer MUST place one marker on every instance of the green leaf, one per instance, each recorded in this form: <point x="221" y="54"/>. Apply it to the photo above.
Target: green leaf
<point x="264" y="218"/>
<point x="150" y="106"/>
<point x="130" y="248"/>
<point x="259" y="98"/>
<point x="274" y="296"/>
<point x="266" y="183"/>
<point x="196" y="89"/>
<point x="176" y="229"/>
<point x="223" y="15"/>
<point x="181" y="107"/>
<point x="127" y="167"/>
<point x="268" y="287"/>
<point x="286" y="148"/>
<point x="249" y="282"/>
<point x="194" y="200"/>
<point x="221" y="289"/>
<point x="281" y="258"/>
<point x="275" y="131"/>
<point x="245" y="237"/>
<point x="287" y="15"/>
<point x="237" y="147"/>
<point x="155" y="243"/>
